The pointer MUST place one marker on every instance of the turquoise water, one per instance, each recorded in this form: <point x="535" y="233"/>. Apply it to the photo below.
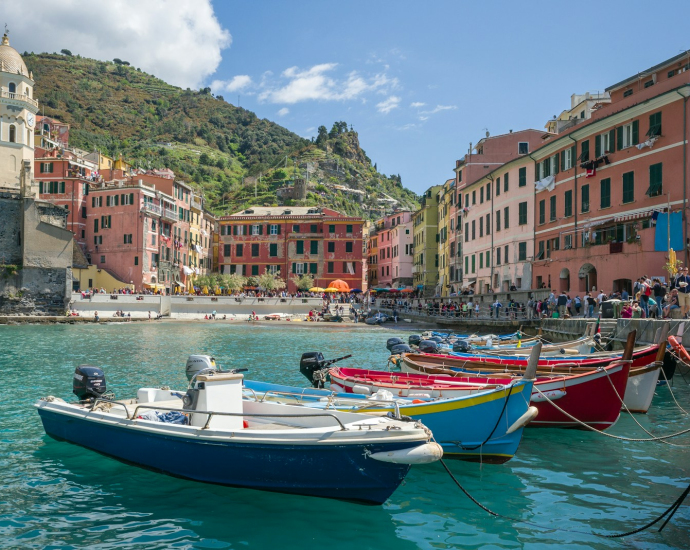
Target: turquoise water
<point x="59" y="496"/>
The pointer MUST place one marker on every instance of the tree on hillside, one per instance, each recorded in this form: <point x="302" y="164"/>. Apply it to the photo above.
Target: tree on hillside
<point x="66" y="52"/>
<point x="338" y="128"/>
<point x="322" y="136"/>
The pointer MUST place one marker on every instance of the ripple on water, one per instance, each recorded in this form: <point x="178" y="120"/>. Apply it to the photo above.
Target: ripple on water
<point x="59" y="496"/>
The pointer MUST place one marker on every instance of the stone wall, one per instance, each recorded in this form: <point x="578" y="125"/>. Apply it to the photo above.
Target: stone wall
<point x="10" y="228"/>
<point x="35" y="291"/>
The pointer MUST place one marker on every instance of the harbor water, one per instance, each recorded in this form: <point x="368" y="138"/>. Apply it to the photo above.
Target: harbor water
<point x="54" y="495"/>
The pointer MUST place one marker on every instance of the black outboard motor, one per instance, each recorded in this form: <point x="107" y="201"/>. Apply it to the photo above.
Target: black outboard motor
<point x="400" y="348"/>
<point x="436" y="339"/>
<point x="393" y="342"/>
<point x="314" y="367"/>
<point x="414" y="339"/>
<point x="88" y="382"/>
<point x="428" y="346"/>
<point x="462" y="346"/>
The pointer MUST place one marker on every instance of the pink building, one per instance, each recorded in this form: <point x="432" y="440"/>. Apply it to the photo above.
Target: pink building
<point x="385" y="240"/>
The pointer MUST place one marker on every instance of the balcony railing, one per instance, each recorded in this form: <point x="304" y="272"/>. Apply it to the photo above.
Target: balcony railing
<point x="196" y="204"/>
<point x="152" y="208"/>
<point x="169" y="214"/>
<point x="19" y="97"/>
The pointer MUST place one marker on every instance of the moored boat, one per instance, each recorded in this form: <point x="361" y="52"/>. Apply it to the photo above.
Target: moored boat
<point x="211" y="434"/>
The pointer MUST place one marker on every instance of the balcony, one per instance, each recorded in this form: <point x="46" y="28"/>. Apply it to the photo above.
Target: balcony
<point x="19" y="97"/>
<point x="169" y="215"/>
<point x="196" y="204"/>
<point x="151" y="208"/>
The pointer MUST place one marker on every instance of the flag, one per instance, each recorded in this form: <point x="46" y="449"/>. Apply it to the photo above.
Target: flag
<point x="598" y="328"/>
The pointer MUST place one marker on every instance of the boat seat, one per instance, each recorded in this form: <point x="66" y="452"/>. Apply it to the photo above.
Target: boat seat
<point x="169" y="404"/>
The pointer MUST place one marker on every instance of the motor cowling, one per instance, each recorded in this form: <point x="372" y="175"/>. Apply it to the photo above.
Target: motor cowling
<point x="462" y="346"/>
<point x="428" y="346"/>
<point x="88" y="382"/>
<point x="400" y="348"/>
<point x="197" y="363"/>
<point x="311" y="362"/>
<point x="393" y="342"/>
<point x="414" y="339"/>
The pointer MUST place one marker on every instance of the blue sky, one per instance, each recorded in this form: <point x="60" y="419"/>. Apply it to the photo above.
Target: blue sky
<point x="418" y="81"/>
<point x="452" y="69"/>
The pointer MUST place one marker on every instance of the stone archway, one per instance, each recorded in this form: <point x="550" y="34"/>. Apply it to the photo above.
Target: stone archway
<point x="564" y="280"/>
<point x="588" y="278"/>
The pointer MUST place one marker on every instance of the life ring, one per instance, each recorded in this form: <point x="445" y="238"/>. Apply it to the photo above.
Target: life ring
<point x="679" y="349"/>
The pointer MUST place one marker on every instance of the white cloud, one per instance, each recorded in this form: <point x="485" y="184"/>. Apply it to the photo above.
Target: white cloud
<point x="284" y="111"/>
<point x="318" y="84"/>
<point x="176" y="40"/>
<point x="236" y="84"/>
<point x="388" y="105"/>
<point x="440" y="108"/>
<point x="417" y="104"/>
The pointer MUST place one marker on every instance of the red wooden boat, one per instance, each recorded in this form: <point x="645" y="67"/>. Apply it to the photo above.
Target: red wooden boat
<point x="588" y="396"/>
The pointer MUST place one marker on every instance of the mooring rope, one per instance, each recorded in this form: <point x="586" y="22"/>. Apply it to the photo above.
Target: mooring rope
<point x="672" y="509"/>
<point x="592" y="428"/>
<point x="671" y="390"/>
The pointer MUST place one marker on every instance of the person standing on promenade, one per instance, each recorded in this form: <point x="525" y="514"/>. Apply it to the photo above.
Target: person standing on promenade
<point x="683" y="286"/>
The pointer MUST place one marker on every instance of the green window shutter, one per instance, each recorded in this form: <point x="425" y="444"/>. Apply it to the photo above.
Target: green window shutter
<point x="597" y="147"/>
<point x="131" y="198"/>
<point x="314" y="247"/>
<point x="568" y="210"/>
<point x="619" y="137"/>
<point x="585" y="198"/>
<point x="62" y="187"/>
<point x="605" y="193"/>
<point x="552" y="208"/>
<point x="294" y="267"/>
<point x="573" y="155"/>
<point x="505" y="182"/>
<point x="522" y="177"/>
<point x="313" y="268"/>
<point x="612" y="141"/>
<point x="300" y="247"/>
<point x="655" y="173"/>
<point x="635" y="132"/>
<point x="542" y="211"/>
<point x="40" y="190"/>
<point x="562" y="161"/>
<point x="584" y="156"/>
<point x="261" y="229"/>
<point x="628" y="187"/>
<point x="555" y="163"/>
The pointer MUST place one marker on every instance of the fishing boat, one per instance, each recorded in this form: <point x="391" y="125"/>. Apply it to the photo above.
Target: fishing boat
<point x="210" y="433"/>
<point x="485" y="426"/>
<point x="590" y="397"/>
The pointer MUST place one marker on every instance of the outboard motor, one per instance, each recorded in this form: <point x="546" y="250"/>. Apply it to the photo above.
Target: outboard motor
<point x="314" y="367"/>
<point x="428" y="346"/>
<point x="436" y="339"/>
<point x="462" y="346"/>
<point x="393" y="342"/>
<point x="400" y="348"/>
<point x="414" y="339"/>
<point x="88" y="382"/>
<point x="198" y="363"/>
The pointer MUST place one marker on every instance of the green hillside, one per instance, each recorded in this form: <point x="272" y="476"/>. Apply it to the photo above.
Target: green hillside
<point x="232" y="156"/>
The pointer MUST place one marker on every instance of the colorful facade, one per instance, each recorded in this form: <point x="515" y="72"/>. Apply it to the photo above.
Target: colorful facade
<point x="292" y="241"/>
<point x="425" y="231"/>
<point x="605" y="187"/>
<point x="394" y="244"/>
<point x="446" y="228"/>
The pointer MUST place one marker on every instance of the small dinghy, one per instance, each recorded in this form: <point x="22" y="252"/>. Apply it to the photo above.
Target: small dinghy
<point x="210" y="434"/>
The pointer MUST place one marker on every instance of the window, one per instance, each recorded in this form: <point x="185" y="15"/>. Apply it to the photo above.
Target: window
<point x="654" y="125"/>
<point x="540" y="254"/>
<point x="506" y="218"/>
<point x="102" y="259"/>
<point x="606" y="193"/>
<point x="654" y="180"/>
<point x="467" y="264"/>
<point x="522" y="177"/>
<point x="298" y="268"/>
<point x="313" y="247"/>
<point x="255" y="270"/>
<point x="498" y="186"/>
<point x="348" y="229"/>
<point x="523" y="148"/>
<point x="226" y="250"/>
<point x="255" y="250"/>
<point x="649" y="83"/>
<point x="584" y="151"/>
<point x="542" y="211"/>
<point x="627" y="93"/>
<point x="299" y="247"/>
<point x="331" y="246"/>
<point x="331" y="228"/>
<point x="473" y="228"/>
<point x="273" y="250"/>
<point x="295" y="228"/>
<point x="481" y="195"/>
<point x="153" y="240"/>
<point x="481" y="229"/>
<point x="481" y="261"/>
<point x="522" y="213"/>
<point x="128" y="238"/>
<point x="330" y="267"/>
<point x="628" y="135"/>
<point x="488" y="224"/>
<point x="498" y="220"/>
<point x="13" y="133"/>
<point x="274" y="229"/>
<point x="313" y="269"/>
<point x="585" y="198"/>
<point x="239" y="250"/>
<point x="488" y="258"/>
<point x="522" y="251"/>
<point x="603" y="144"/>
<point x="467" y="231"/>
<point x="567" y="242"/>
<point x="349" y="246"/>
<point x="628" y="187"/>
<point x="474" y="197"/>
<point x="106" y="222"/>
<point x="46" y="168"/>
<point x="552" y="208"/>
<point x="313" y="228"/>
<point x="136" y="260"/>
<point x="568" y="207"/>
<point x="505" y="254"/>
<point x="256" y="229"/>
<point x="498" y="256"/>
<point x="488" y="191"/>
<point x="505" y="183"/>
<point x="473" y="263"/>
<point x="98" y="239"/>
<point x="568" y="158"/>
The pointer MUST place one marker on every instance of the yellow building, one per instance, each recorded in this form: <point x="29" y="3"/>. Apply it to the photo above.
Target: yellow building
<point x="104" y="162"/>
<point x="425" y="230"/>
<point x="445" y="204"/>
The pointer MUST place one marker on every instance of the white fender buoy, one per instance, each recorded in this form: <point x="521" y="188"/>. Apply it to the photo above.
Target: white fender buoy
<point x="422" y="454"/>
<point x="362" y="390"/>
<point x="530" y="414"/>
<point x="553" y="395"/>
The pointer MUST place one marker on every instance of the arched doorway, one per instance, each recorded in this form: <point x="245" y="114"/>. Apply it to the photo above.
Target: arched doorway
<point x="564" y="280"/>
<point x="588" y="278"/>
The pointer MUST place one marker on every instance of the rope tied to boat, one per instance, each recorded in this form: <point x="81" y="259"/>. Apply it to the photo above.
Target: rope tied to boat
<point x="592" y="428"/>
<point x="498" y="421"/>
<point x="670" y="511"/>
<point x="668" y="383"/>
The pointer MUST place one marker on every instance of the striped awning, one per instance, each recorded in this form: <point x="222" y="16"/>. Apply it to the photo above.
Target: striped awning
<point x="634" y="216"/>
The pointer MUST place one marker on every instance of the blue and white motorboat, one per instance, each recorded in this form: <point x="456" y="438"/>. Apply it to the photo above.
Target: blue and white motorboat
<point x="210" y="433"/>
